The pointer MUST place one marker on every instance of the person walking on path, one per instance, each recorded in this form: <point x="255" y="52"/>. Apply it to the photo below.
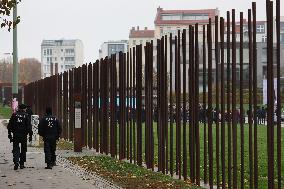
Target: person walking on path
<point x="20" y="126"/>
<point x="50" y="129"/>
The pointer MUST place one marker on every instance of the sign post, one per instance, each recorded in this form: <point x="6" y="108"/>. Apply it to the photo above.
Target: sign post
<point x="34" y="123"/>
<point x="78" y="125"/>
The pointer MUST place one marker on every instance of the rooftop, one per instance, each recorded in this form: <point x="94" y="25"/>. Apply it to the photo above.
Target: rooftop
<point x="184" y="17"/>
<point x="116" y="42"/>
<point x="60" y="42"/>
<point x="141" y="33"/>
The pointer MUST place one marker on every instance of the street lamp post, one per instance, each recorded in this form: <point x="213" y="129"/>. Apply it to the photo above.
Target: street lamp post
<point x="15" y="57"/>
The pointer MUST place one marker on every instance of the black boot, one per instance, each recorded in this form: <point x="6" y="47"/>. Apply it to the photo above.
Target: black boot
<point x="48" y="166"/>
<point x="22" y="166"/>
<point x="16" y="166"/>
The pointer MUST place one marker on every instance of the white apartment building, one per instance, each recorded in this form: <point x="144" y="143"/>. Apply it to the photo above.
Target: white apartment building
<point x="140" y="37"/>
<point x="67" y="54"/>
<point x="170" y="21"/>
<point x="113" y="47"/>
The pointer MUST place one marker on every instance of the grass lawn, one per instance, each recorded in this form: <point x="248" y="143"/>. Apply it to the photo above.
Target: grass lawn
<point x="262" y="153"/>
<point x="5" y="112"/>
<point x="127" y="175"/>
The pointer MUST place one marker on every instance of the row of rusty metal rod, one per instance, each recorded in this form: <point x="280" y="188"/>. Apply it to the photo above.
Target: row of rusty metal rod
<point x="161" y="89"/>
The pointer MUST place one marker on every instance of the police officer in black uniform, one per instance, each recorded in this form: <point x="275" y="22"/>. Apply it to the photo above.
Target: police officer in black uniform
<point x="50" y="129"/>
<point x="20" y="126"/>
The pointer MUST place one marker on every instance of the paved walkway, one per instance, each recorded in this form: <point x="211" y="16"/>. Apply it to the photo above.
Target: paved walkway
<point x="35" y="176"/>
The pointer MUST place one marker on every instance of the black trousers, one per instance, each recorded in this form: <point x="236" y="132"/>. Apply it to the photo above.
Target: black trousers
<point x="49" y="150"/>
<point x="19" y="154"/>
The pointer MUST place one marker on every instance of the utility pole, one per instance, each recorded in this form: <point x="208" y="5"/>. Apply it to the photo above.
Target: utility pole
<point x="15" y="57"/>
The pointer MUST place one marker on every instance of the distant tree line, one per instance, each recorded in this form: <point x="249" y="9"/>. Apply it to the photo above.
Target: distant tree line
<point x="29" y="71"/>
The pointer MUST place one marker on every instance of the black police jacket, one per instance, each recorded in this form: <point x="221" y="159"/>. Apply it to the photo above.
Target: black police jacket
<point x="49" y="127"/>
<point x="20" y="125"/>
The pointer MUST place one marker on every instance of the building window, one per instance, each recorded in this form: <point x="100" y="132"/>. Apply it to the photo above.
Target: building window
<point x="69" y="51"/>
<point x="115" y="48"/>
<point x="61" y="50"/>
<point x="49" y="51"/>
<point x="260" y="28"/>
<point x="161" y="30"/>
<point x="134" y="42"/>
<point x="282" y="38"/>
<point x="67" y="67"/>
<point x="55" y="58"/>
<point x="46" y="68"/>
<point x="69" y="59"/>
<point x="281" y="25"/>
<point x="171" y="17"/>
<point x="44" y="52"/>
<point x="168" y="30"/>
<point x="264" y="39"/>
<point x="61" y="58"/>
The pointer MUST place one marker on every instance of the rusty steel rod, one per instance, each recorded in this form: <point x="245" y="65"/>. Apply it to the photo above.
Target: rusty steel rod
<point x="84" y="105"/>
<point x="278" y="94"/>
<point x="139" y="103"/>
<point x="131" y="106"/>
<point x="197" y="139"/>
<point x="184" y="155"/>
<point x="254" y="47"/>
<point x="217" y="101"/>
<point x="178" y="102"/>
<point x="147" y="159"/>
<point x="96" y="105"/>
<point x="135" y="104"/>
<point x="90" y="96"/>
<point x="171" y="104"/>
<point x="121" y="106"/>
<point x="241" y="100"/>
<point x="152" y="148"/>
<point x="250" y="101"/>
<point x="163" y="105"/>
<point x="190" y="100"/>
<point x="210" y="140"/>
<point x="229" y="115"/>
<point x="204" y="107"/>
<point x="270" y="95"/>
<point x="71" y="101"/>
<point x="234" y="100"/>
<point x="159" y="102"/>
<point x="223" y="160"/>
<point x="127" y="105"/>
<point x="177" y="107"/>
<point x="166" y="104"/>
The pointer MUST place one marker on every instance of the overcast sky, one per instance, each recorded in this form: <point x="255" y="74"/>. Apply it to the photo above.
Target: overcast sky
<point x="96" y="21"/>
